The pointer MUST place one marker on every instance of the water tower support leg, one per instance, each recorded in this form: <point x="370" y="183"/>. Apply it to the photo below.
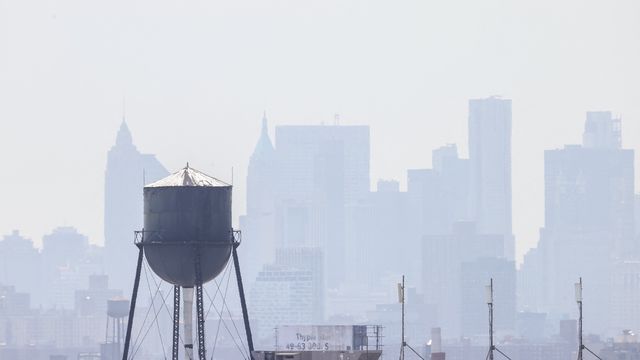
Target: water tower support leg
<point x="243" y="301"/>
<point x="132" y="308"/>
<point x="176" y="321"/>
<point x="202" y="350"/>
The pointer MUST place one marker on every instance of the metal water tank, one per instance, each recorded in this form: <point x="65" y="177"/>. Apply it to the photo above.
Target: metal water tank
<point x="118" y="307"/>
<point x="187" y="225"/>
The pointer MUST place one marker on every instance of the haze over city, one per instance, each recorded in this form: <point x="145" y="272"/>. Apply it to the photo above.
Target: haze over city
<point x="365" y="179"/>
<point x="197" y="77"/>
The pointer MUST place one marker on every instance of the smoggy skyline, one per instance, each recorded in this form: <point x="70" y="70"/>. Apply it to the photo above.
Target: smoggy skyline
<point x="197" y="78"/>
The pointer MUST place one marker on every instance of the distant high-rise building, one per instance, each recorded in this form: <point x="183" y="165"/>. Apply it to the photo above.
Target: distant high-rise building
<point x="322" y="170"/>
<point x="307" y="258"/>
<point x="475" y="276"/>
<point x="67" y="262"/>
<point x="532" y="274"/>
<point x="64" y="247"/>
<point x="591" y="190"/>
<point x="282" y="296"/>
<point x="625" y="295"/>
<point x="490" y="168"/>
<point x="13" y="303"/>
<point x="258" y="225"/>
<point x="93" y="300"/>
<point x="443" y="256"/>
<point x="127" y="172"/>
<point x="20" y="265"/>
<point x="602" y="131"/>
<point x="637" y="215"/>
<point x="589" y="224"/>
<point x="439" y="197"/>
<point x="377" y="226"/>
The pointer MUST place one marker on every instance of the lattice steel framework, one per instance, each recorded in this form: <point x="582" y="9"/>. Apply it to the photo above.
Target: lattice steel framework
<point x="202" y="351"/>
<point x="176" y="322"/>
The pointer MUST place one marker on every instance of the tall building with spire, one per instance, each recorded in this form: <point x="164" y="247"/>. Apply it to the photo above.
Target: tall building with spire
<point x="258" y="225"/>
<point x="128" y="170"/>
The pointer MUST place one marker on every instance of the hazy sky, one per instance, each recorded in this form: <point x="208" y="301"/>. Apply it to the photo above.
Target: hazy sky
<point x="197" y="76"/>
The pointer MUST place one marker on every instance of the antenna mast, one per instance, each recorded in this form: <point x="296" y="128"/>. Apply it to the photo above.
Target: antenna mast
<point x="404" y="344"/>
<point x="492" y="346"/>
<point x="401" y="299"/>
<point x="581" y="345"/>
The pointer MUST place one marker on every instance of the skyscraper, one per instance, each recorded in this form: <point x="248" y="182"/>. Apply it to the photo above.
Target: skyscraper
<point x="590" y="190"/>
<point x="127" y="172"/>
<point x="322" y="171"/>
<point x="20" y="265"/>
<point x="490" y="160"/>
<point x="307" y="258"/>
<point x="258" y="225"/>
<point x="602" y="130"/>
<point x="637" y="216"/>
<point x="66" y="266"/>
<point x="376" y="228"/>
<point x="443" y="257"/>
<point x="439" y="197"/>
<point x="282" y="295"/>
<point x="589" y="225"/>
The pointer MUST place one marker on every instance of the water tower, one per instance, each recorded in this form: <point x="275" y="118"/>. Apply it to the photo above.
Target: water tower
<point x="187" y="241"/>
<point x="117" y="312"/>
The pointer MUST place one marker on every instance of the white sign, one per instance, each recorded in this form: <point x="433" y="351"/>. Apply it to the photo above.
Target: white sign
<point x="315" y="338"/>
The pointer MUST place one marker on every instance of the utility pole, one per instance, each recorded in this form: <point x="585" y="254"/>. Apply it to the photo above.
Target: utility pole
<point x="401" y="299"/>
<point x="581" y="345"/>
<point x="492" y="346"/>
<point x="490" y="304"/>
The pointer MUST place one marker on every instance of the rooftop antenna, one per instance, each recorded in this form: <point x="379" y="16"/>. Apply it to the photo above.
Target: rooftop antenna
<point x="124" y="108"/>
<point x="581" y="345"/>
<point x="492" y="346"/>
<point x="401" y="299"/>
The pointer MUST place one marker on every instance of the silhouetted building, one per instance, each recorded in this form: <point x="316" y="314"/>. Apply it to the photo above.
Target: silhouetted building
<point x="569" y="331"/>
<point x="475" y="276"/>
<point x="20" y="265"/>
<point x="531" y="326"/>
<point x="439" y="196"/>
<point x="637" y="216"/>
<point x="490" y="168"/>
<point x="127" y="172"/>
<point x="443" y="256"/>
<point x="322" y="171"/>
<point x="65" y="252"/>
<point x="312" y="259"/>
<point x="64" y="247"/>
<point x="436" y="199"/>
<point x="532" y="275"/>
<point x="259" y="224"/>
<point x="589" y="223"/>
<point x="602" y="131"/>
<point x="93" y="300"/>
<point x="282" y="295"/>
<point x="13" y="303"/>
<point x="376" y="226"/>
<point x="625" y="295"/>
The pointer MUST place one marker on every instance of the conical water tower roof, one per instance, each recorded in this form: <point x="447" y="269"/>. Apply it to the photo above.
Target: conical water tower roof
<point x="188" y="176"/>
